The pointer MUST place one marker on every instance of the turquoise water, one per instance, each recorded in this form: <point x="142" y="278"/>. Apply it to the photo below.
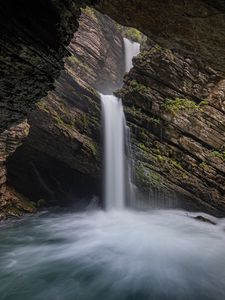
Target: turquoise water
<point x="158" y="255"/>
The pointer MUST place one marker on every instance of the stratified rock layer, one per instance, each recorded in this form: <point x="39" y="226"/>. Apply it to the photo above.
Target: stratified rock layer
<point x="33" y="39"/>
<point x="175" y="107"/>
<point x="61" y="158"/>
<point x="196" y="26"/>
<point x="187" y="140"/>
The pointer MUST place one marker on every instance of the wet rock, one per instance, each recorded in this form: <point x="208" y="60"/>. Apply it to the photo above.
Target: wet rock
<point x="60" y="160"/>
<point x="177" y="126"/>
<point x="33" y="39"/>
<point x="203" y="219"/>
<point x="196" y="27"/>
<point x="180" y="141"/>
<point x="14" y="204"/>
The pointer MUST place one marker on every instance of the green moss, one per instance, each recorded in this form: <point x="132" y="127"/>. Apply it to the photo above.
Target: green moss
<point x="83" y="121"/>
<point x="143" y="134"/>
<point x="75" y="60"/>
<point x="161" y="158"/>
<point x="43" y="106"/>
<point x="146" y="54"/>
<point x="58" y="120"/>
<point x="203" y="165"/>
<point x="219" y="154"/>
<point x="138" y="87"/>
<point x="93" y="147"/>
<point x="143" y="147"/>
<point x="89" y="11"/>
<point x="146" y="176"/>
<point x="133" y="34"/>
<point x="203" y="102"/>
<point x="170" y="162"/>
<point x="155" y="120"/>
<point x="133" y="86"/>
<point x="175" y="164"/>
<point x="130" y="33"/>
<point x="179" y="104"/>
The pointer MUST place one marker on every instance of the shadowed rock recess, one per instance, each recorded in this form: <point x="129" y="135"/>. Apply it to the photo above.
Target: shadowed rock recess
<point x="61" y="158"/>
<point x="33" y="39"/>
<point x="174" y="97"/>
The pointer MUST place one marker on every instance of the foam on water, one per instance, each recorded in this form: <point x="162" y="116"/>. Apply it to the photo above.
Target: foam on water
<point x="113" y="255"/>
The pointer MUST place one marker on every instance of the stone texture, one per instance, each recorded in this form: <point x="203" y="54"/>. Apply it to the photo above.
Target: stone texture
<point x="175" y="107"/>
<point x="185" y="149"/>
<point x="33" y="43"/>
<point x="10" y="139"/>
<point x="196" y="26"/>
<point x="97" y="52"/>
<point x="65" y="131"/>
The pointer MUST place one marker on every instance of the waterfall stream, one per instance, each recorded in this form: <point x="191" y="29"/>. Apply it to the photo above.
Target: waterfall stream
<point x="117" y="169"/>
<point x="114" y="150"/>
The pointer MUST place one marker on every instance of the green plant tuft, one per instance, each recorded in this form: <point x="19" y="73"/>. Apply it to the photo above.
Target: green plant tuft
<point x="219" y="154"/>
<point x="180" y="104"/>
<point x="89" y="11"/>
<point x="130" y="33"/>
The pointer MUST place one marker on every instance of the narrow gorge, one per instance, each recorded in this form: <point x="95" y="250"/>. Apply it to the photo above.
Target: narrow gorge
<point x="112" y="150"/>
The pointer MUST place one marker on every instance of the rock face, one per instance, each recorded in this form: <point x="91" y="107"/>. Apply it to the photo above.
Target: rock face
<point x="97" y="52"/>
<point x="61" y="158"/>
<point x="175" y="107"/>
<point x="174" y="96"/>
<point x="196" y="26"/>
<point x="11" y="202"/>
<point x="33" y="39"/>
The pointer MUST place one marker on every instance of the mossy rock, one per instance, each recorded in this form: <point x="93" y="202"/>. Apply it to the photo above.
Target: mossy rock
<point x="131" y="33"/>
<point x="146" y="177"/>
<point x="177" y="105"/>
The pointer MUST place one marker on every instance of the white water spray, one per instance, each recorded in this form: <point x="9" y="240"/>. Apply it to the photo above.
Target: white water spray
<point x="114" y="150"/>
<point x="117" y="172"/>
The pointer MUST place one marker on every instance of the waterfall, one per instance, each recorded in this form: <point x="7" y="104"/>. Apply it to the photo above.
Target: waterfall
<point x="131" y="49"/>
<point x="117" y="163"/>
<point x="114" y="152"/>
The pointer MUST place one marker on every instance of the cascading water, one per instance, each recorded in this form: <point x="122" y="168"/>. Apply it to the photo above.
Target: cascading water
<point x="118" y="181"/>
<point x="114" y="152"/>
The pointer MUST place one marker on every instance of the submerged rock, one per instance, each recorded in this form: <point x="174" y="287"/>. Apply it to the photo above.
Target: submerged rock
<point x="203" y="219"/>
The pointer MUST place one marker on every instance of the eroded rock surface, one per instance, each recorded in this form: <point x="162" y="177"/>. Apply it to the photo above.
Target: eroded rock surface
<point x="196" y="26"/>
<point x="61" y="158"/>
<point x="174" y="96"/>
<point x="33" y="40"/>
<point x="175" y="107"/>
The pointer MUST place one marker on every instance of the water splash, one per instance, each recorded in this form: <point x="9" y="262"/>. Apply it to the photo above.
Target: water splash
<point x="118" y="184"/>
<point x="118" y="255"/>
<point x="114" y="152"/>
